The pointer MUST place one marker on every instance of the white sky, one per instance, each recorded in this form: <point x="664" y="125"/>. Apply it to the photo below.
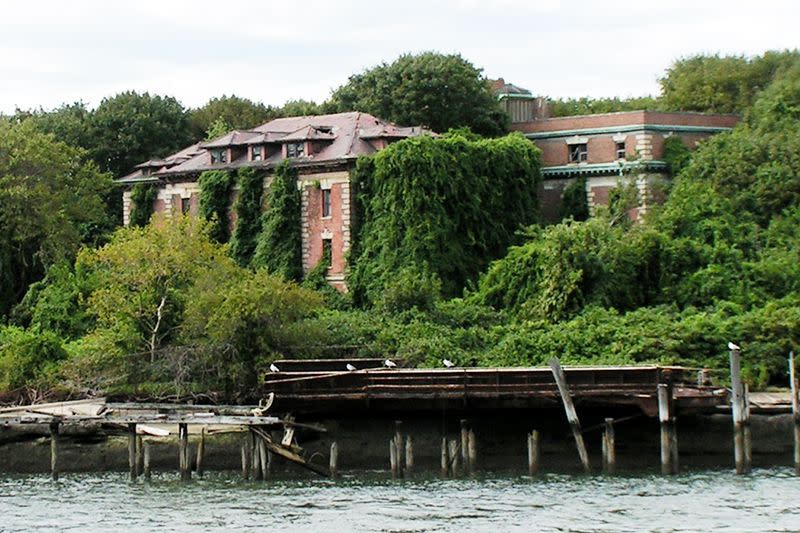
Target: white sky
<point x="53" y="52"/>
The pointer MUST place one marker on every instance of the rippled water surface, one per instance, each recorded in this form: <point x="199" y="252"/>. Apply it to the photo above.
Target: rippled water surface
<point x="767" y="500"/>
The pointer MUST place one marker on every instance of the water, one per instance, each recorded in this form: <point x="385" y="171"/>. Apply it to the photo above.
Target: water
<point x="767" y="500"/>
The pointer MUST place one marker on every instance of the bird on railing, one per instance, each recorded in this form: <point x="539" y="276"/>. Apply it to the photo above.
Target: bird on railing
<point x="350" y="367"/>
<point x="448" y="363"/>
<point x="732" y="346"/>
<point x="389" y="364"/>
<point x="273" y="368"/>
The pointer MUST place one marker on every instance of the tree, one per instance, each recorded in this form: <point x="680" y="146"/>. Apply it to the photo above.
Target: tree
<point x="234" y="111"/>
<point x="435" y="90"/>
<point x="130" y="128"/>
<point x="68" y="123"/>
<point x="51" y="201"/>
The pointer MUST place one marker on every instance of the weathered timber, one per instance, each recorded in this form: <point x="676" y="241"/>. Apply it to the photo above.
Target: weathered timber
<point x="738" y="412"/>
<point x="263" y="458"/>
<point x="445" y="457"/>
<point x="201" y="449"/>
<point x="794" y="385"/>
<point x="455" y="457"/>
<point x="146" y="459"/>
<point x="132" y="471"/>
<point x="333" y="464"/>
<point x="183" y="453"/>
<point x="533" y="452"/>
<point x="409" y="454"/>
<point x="393" y="464"/>
<point x="399" y="446"/>
<point x="54" y="430"/>
<point x="572" y="415"/>
<point x="255" y="457"/>
<point x="666" y="418"/>
<point x="245" y="458"/>
<point x="139" y="453"/>
<point x="609" y="450"/>
<point x="288" y="453"/>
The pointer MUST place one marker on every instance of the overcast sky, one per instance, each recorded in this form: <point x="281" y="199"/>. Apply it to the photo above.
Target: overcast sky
<point x="63" y="51"/>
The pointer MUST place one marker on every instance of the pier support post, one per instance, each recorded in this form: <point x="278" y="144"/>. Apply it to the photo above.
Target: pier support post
<point x="794" y="384"/>
<point x="54" y="437"/>
<point x="669" y="442"/>
<point x="393" y="458"/>
<point x="455" y="458"/>
<point x="739" y="412"/>
<point x="333" y="465"/>
<point x="245" y="458"/>
<point x="255" y="457"/>
<point x="183" y="452"/>
<point x="139" y="455"/>
<point x="133" y="471"/>
<point x="533" y="452"/>
<point x="399" y="448"/>
<point x="409" y="454"/>
<point x="473" y="451"/>
<point x="146" y="459"/>
<point x="465" y="446"/>
<point x="445" y="464"/>
<point x="263" y="458"/>
<point x="201" y="450"/>
<point x="569" y="408"/>
<point x="609" y="451"/>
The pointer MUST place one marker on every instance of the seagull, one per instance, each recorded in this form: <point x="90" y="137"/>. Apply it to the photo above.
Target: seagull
<point x="389" y="364"/>
<point x="273" y="368"/>
<point x="448" y="363"/>
<point x="350" y="367"/>
<point x="732" y="346"/>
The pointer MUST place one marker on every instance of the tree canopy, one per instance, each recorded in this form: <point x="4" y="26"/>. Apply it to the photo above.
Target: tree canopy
<point x="435" y="90"/>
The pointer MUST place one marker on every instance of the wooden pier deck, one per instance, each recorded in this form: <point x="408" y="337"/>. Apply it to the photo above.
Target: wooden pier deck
<point x="314" y="388"/>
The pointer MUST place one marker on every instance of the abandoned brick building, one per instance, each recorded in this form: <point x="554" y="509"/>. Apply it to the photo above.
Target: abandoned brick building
<point x="601" y="148"/>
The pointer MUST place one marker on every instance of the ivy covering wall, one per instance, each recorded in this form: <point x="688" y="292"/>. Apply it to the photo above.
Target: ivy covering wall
<point x="445" y="206"/>
<point x="215" y="199"/>
<point x="143" y="195"/>
<point x="248" y="215"/>
<point x="279" y="246"/>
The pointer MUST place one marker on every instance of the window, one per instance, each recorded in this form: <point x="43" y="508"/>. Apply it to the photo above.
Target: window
<point x="326" y="252"/>
<point x="256" y="153"/>
<point x="219" y="155"/>
<point x="326" y="202"/>
<point x="578" y="153"/>
<point x="295" y="150"/>
<point x="186" y="205"/>
<point x="621" y="150"/>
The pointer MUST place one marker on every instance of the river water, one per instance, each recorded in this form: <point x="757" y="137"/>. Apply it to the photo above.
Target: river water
<point x="711" y="500"/>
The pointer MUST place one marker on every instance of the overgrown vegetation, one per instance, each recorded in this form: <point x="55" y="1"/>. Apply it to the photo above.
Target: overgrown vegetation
<point x="215" y="200"/>
<point x="248" y="215"/>
<point x="142" y="195"/>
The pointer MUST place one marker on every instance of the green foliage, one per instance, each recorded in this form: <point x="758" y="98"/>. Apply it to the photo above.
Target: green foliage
<point x="448" y="203"/>
<point x="27" y="357"/>
<point x="436" y="90"/>
<point x="218" y="128"/>
<point x="51" y="201"/>
<point x="248" y="215"/>
<point x="591" y="106"/>
<point x="721" y="84"/>
<point x="143" y="196"/>
<point x="410" y="288"/>
<point x="233" y="112"/>
<point x="574" y="203"/>
<point x="215" y="200"/>
<point x="676" y="155"/>
<point x="280" y="242"/>
<point x="129" y="128"/>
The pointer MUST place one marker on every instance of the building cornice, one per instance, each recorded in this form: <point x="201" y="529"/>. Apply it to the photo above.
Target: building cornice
<point x="628" y="128"/>
<point x="601" y="169"/>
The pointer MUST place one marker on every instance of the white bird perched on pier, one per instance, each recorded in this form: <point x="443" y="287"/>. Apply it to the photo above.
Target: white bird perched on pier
<point x="448" y="363"/>
<point x="273" y="368"/>
<point x="732" y="346"/>
<point x="389" y="364"/>
<point x="350" y="367"/>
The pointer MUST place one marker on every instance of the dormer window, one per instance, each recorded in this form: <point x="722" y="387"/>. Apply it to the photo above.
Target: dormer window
<point x="578" y="153"/>
<point x="257" y="153"/>
<point x="621" y="150"/>
<point x="219" y="155"/>
<point x="295" y="149"/>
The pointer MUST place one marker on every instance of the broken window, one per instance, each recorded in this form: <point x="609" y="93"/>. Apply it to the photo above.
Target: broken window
<point x="621" y="150"/>
<point x="256" y="153"/>
<point x="578" y="153"/>
<point x="326" y="202"/>
<point x="295" y="150"/>
<point x="219" y="155"/>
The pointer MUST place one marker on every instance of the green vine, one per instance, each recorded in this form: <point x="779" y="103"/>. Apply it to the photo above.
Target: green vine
<point x="279" y="245"/>
<point x="574" y="203"/>
<point x="215" y="200"/>
<point x="248" y="215"/>
<point x="143" y="195"/>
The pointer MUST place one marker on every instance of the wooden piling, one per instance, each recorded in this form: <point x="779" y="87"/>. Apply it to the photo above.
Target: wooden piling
<point x="132" y="470"/>
<point x="245" y="459"/>
<point x="393" y="458"/>
<point x="409" y="454"/>
<point x="255" y="457"/>
<point x="445" y="465"/>
<point x="465" y="446"/>
<point x="572" y="415"/>
<point x="739" y="413"/>
<point x="139" y="455"/>
<point x="146" y="459"/>
<point x="473" y="451"/>
<point x="455" y="457"/>
<point x="533" y="452"/>
<point x="54" y="438"/>
<point x="399" y="448"/>
<point x="609" y="450"/>
<point x="183" y="452"/>
<point x="263" y="458"/>
<point x="201" y="450"/>
<point x="666" y="418"/>
<point x="333" y="465"/>
<point x="794" y="385"/>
